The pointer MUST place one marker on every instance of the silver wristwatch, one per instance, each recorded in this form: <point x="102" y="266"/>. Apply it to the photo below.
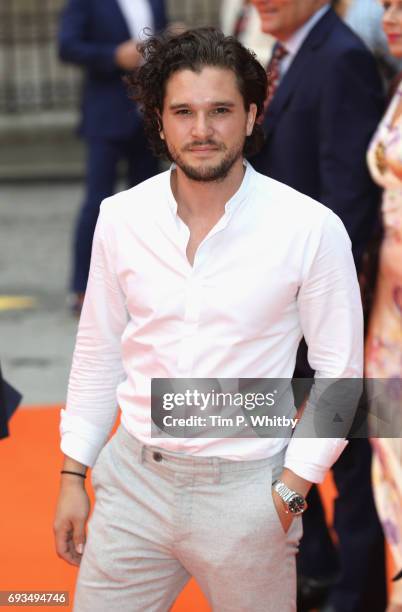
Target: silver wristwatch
<point x="294" y="503"/>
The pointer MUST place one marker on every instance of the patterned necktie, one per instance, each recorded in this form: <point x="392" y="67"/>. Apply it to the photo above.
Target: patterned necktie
<point x="273" y="71"/>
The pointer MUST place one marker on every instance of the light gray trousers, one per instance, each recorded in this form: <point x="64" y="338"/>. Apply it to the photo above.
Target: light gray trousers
<point x="161" y="517"/>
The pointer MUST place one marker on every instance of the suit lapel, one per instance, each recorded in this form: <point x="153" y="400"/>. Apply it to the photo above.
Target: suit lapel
<point x="297" y="70"/>
<point x="117" y="16"/>
<point x="157" y="12"/>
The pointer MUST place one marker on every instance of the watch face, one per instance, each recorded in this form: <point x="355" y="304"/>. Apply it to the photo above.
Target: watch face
<point x="297" y="504"/>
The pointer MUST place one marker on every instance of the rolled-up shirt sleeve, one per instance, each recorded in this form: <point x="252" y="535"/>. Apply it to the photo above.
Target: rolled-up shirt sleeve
<point x="331" y="318"/>
<point x="97" y="367"/>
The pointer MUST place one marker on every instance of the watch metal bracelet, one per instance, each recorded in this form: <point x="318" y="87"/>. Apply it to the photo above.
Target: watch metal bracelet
<point x="283" y="490"/>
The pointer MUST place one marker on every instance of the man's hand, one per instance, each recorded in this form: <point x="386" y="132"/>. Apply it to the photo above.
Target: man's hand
<point x="127" y="56"/>
<point x="72" y="513"/>
<point x="296" y="483"/>
<point x="285" y="518"/>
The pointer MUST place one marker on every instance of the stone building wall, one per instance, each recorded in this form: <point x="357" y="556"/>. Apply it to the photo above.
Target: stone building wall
<point x="39" y="96"/>
<point x="32" y="78"/>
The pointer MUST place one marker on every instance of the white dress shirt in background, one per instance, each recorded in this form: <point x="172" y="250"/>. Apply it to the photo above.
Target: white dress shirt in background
<point x="138" y="15"/>
<point x="276" y="266"/>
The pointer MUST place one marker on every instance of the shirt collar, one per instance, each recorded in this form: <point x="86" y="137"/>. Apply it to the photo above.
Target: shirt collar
<point x="294" y="42"/>
<point x="231" y="204"/>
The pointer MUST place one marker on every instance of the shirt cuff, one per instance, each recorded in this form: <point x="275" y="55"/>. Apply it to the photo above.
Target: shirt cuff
<point x="311" y="458"/>
<point x="81" y="440"/>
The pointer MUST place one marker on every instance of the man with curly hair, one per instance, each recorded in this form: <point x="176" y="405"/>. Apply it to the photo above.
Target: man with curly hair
<point x="207" y="270"/>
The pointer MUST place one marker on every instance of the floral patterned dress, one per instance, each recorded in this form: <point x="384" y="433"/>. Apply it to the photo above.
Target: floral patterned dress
<point x="384" y="341"/>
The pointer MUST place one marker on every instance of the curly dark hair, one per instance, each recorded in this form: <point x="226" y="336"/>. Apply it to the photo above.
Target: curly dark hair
<point x="193" y="49"/>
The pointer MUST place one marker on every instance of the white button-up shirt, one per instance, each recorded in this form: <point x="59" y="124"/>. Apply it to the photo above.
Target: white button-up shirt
<point x="275" y="267"/>
<point x="138" y="16"/>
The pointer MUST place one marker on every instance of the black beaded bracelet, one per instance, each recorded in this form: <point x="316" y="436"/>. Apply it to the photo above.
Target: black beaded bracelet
<point x="75" y="473"/>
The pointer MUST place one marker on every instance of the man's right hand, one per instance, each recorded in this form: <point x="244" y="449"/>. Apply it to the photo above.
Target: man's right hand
<point x="72" y="513"/>
<point x="127" y="56"/>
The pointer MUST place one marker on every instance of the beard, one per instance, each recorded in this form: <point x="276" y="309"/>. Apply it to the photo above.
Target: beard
<point x="207" y="173"/>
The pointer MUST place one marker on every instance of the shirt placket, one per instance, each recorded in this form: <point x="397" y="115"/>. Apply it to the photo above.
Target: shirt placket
<point x="193" y="298"/>
<point x="188" y="342"/>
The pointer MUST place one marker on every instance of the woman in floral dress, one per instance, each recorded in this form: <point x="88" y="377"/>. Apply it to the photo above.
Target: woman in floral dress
<point x="384" y="341"/>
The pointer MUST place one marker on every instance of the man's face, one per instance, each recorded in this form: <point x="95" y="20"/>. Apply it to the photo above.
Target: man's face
<point x="205" y="123"/>
<point x="282" y="18"/>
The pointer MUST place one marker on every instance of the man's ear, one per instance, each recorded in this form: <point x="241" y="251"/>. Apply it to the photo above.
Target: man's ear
<point x="251" y="116"/>
<point x="160" y="124"/>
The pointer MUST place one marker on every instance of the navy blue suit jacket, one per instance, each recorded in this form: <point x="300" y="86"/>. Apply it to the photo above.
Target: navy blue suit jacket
<point x="89" y="33"/>
<point x="319" y="124"/>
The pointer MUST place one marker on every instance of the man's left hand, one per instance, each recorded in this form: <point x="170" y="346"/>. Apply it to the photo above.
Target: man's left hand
<point x="296" y="483"/>
<point x="285" y="518"/>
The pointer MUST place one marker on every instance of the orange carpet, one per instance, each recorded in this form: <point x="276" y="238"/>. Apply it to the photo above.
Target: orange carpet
<point x="30" y="461"/>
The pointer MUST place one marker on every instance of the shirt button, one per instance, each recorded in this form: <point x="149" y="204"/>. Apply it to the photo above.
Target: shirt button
<point x="157" y="457"/>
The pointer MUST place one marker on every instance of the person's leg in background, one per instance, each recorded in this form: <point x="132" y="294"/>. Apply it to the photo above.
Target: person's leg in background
<point x="318" y="563"/>
<point x="362" y="584"/>
<point x="359" y="555"/>
<point x="102" y="159"/>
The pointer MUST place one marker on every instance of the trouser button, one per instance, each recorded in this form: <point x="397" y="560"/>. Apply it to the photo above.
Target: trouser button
<point x="157" y="456"/>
